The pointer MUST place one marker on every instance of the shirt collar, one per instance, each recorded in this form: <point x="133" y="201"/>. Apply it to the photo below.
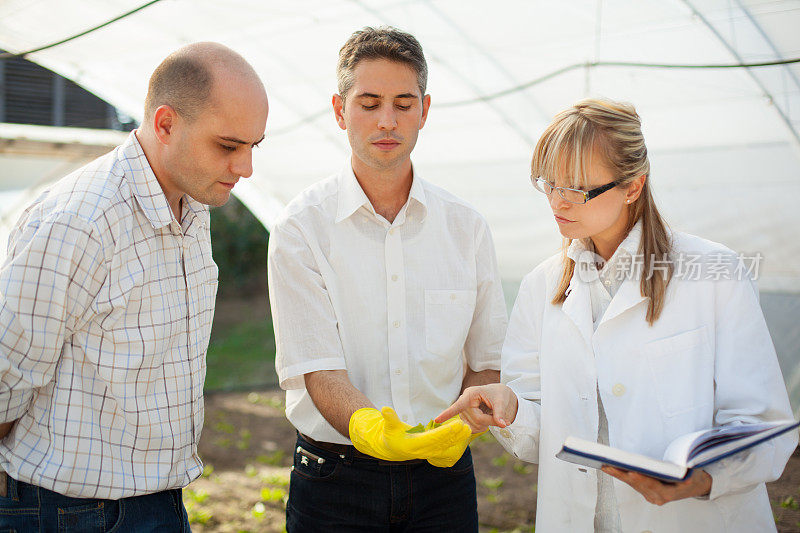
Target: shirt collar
<point x="147" y="190"/>
<point x="629" y="246"/>
<point x="351" y="196"/>
<point x="143" y="183"/>
<point x="195" y="209"/>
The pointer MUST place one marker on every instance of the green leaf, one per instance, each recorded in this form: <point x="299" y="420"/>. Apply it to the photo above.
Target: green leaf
<point x="419" y="428"/>
<point x="500" y="460"/>
<point x="790" y="503"/>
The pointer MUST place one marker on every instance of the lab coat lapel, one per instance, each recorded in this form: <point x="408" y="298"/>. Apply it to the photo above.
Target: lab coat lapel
<point x="628" y="296"/>
<point x="578" y="307"/>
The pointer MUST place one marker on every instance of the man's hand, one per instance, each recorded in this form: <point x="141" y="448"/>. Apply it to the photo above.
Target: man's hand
<point x="383" y="435"/>
<point x="659" y="493"/>
<point x="484" y="406"/>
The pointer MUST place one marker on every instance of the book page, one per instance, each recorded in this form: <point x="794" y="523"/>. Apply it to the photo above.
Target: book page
<point x="704" y="446"/>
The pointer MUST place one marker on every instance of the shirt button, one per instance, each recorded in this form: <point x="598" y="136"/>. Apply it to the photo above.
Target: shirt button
<point x="394" y="277"/>
<point x="505" y="433"/>
<point x="391" y="231"/>
<point x="452" y="296"/>
<point x="618" y="389"/>
<point x="405" y="418"/>
<point x="396" y="323"/>
<point x="607" y="282"/>
<point x="398" y="371"/>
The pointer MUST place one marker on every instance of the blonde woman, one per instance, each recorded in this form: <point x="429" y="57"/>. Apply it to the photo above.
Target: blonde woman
<point x="633" y="336"/>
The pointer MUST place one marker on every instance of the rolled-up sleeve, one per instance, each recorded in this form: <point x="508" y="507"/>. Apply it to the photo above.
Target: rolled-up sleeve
<point x="749" y="388"/>
<point x="306" y="328"/>
<point x="485" y="339"/>
<point x="52" y="273"/>
<point x="521" y="372"/>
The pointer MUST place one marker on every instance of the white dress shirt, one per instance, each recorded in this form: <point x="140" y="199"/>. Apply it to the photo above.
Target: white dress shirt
<point x="106" y="304"/>
<point x="707" y="361"/>
<point x="402" y="306"/>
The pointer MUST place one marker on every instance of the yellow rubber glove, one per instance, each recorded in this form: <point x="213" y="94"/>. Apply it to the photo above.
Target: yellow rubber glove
<point x="382" y="435"/>
<point x="450" y="455"/>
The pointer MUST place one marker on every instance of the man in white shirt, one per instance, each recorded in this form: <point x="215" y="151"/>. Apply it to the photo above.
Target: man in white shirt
<point x="106" y="302"/>
<point x="385" y="293"/>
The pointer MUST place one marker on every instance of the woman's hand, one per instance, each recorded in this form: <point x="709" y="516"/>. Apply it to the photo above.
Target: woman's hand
<point x="658" y="493"/>
<point x="484" y="406"/>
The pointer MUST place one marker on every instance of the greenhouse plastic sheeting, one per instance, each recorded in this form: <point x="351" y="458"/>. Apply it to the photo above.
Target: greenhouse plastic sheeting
<point x="723" y="142"/>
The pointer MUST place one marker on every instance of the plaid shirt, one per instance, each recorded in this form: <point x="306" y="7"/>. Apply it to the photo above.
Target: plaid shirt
<point x="106" y="303"/>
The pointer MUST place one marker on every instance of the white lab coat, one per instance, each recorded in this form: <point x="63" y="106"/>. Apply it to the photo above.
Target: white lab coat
<point x="707" y="361"/>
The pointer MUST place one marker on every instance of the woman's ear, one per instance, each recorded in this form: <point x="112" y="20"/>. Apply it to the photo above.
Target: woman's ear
<point x="634" y="189"/>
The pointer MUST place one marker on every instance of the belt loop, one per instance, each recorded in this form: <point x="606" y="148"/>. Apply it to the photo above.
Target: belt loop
<point x="347" y="457"/>
<point x="12" y="488"/>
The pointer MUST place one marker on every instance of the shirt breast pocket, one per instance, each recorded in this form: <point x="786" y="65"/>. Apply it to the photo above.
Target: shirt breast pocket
<point x="211" y="284"/>
<point x="448" y="316"/>
<point x="682" y="369"/>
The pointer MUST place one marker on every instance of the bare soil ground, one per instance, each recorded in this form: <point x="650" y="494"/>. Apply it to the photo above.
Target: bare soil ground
<point x="247" y="447"/>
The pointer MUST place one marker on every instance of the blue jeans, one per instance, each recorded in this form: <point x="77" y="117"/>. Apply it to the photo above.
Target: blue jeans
<point x="28" y="508"/>
<point x="351" y="494"/>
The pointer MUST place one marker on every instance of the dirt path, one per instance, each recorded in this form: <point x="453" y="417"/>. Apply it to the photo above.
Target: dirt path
<point x="247" y="447"/>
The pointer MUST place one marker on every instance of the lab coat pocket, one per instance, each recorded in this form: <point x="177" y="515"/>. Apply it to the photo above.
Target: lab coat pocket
<point x="682" y="368"/>
<point x="448" y="315"/>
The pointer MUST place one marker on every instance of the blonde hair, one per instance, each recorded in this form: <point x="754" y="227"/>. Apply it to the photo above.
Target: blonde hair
<point x="613" y="131"/>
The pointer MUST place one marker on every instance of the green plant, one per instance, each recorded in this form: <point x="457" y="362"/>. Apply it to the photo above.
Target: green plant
<point x="272" y="495"/>
<point x="197" y="496"/>
<point x="522" y="468"/>
<point x="259" y="399"/>
<point x="244" y="443"/>
<point x="789" y="503"/>
<point x="492" y="483"/>
<point x="274" y="459"/>
<point x="500" y="460"/>
<point x="276" y="479"/>
<point x="259" y="510"/>
<point x="224" y="427"/>
<point x="196" y="514"/>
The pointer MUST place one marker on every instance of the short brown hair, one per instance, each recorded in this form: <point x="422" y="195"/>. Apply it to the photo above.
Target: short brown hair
<point x="380" y="43"/>
<point x="182" y="81"/>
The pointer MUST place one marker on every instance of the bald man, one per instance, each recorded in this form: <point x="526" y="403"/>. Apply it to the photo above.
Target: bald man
<point x="106" y="302"/>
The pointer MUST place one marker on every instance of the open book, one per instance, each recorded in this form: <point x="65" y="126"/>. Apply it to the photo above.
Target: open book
<point x="694" y="450"/>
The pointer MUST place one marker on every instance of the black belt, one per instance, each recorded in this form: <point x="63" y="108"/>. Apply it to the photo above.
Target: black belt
<point x="351" y="452"/>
